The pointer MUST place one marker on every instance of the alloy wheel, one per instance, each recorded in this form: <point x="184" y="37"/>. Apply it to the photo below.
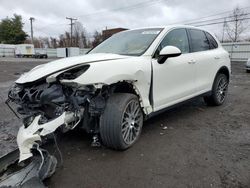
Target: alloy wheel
<point x="131" y="122"/>
<point x="222" y="89"/>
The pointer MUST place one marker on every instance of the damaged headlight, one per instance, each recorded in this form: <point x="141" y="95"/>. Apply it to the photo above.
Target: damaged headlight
<point x="69" y="74"/>
<point x="73" y="73"/>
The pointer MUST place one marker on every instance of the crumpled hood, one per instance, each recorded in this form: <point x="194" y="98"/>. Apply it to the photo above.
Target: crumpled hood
<point x="44" y="70"/>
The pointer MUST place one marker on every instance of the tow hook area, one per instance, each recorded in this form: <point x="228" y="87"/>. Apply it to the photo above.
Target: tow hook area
<point x="29" y="173"/>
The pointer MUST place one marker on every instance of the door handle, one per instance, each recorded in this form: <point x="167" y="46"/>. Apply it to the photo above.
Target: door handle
<point x="216" y="57"/>
<point x="191" y="62"/>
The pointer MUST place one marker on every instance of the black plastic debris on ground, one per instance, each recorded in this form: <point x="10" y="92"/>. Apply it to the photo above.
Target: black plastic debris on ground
<point x="27" y="174"/>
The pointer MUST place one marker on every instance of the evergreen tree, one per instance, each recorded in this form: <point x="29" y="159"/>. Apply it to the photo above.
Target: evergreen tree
<point x="11" y="30"/>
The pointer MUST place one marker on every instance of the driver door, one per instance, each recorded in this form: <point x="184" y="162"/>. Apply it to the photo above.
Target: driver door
<point x="174" y="80"/>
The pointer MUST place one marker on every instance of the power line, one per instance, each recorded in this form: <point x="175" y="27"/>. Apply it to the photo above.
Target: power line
<point x="138" y="5"/>
<point x="215" y="23"/>
<point x="204" y="21"/>
<point x="134" y="6"/>
<point x="52" y="25"/>
<point x="45" y="32"/>
<point x="208" y="16"/>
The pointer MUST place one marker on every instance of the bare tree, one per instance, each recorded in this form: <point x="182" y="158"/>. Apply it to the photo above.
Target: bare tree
<point x="67" y="39"/>
<point x="38" y="43"/>
<point x="77" y="29"/>
<point x="97" y="39"/>
<point x="53" y="42"/>
<point x="46" y="42"/>
<point x="237" y="26"/>
<point x="64" y="40"/>
<point x="79" y="36"/>
<point x="61" y="42"/>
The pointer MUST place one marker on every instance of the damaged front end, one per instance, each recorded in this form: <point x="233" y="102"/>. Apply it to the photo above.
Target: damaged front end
<point x="73" y="92"/>
<point x="55" y="103"/>
<point x="52" y="104"/>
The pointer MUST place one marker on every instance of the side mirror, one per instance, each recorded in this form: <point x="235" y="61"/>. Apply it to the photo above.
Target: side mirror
<point x="167" y="52"/>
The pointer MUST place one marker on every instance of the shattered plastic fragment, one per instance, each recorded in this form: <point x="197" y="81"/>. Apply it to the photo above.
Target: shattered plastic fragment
<point x="29" y="173"/>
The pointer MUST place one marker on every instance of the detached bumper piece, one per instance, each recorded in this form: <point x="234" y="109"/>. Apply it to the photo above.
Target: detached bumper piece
<point x="27" y="174"/>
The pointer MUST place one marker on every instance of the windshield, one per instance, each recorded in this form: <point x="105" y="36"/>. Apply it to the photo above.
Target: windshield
<point x="134" y="42"/>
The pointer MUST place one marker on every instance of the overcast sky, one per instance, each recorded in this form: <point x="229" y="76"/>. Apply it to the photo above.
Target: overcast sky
<point x="97" y="14"/>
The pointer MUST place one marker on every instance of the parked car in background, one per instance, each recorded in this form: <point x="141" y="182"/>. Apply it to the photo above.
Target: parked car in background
<point x="128" y="78"/>
<point x="248" y="66"/>
<point x="39" y="55"/>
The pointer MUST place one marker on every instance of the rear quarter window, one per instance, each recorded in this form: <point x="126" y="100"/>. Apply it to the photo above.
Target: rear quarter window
<point x="212" y="42"/>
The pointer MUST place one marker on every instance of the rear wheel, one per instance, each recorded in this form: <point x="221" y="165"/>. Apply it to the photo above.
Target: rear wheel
<point x="219" y="91"/>
<point x="121" y="122"/>
<point x="248" y="71"/>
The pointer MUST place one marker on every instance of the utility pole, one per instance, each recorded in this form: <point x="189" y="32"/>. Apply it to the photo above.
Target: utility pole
<point x="223" y="32"/>
<point x="236" y="28"/>
<point x="31" y="28"/>
<point x="71" y="28"/>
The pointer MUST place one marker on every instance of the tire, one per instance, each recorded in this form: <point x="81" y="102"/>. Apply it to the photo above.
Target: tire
<point x="219" y="91"/>
<point x="120" y="128"/>
<point x="247" y="71"/>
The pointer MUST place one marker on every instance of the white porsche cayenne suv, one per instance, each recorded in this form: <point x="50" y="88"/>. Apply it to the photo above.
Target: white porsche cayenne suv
<point x="126" y="79"/>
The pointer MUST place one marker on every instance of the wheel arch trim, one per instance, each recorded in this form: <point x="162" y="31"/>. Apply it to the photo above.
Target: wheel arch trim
<point x="223" y="70"/>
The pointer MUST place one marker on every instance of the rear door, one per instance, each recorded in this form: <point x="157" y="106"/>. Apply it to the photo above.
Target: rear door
<point x="206" y="56"/>
<point x="174" y="80"/>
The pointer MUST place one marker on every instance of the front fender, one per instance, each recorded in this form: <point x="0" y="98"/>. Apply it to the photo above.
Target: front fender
<point x="136" y="70"/>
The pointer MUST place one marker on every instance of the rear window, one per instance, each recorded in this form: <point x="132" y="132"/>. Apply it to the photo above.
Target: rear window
<point x="212" y="42"/>
<point x="199" y="41"/>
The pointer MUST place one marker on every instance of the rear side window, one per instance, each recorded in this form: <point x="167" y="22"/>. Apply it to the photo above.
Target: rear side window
<point x="212" y="42"/>
<point x="199" y="41"/>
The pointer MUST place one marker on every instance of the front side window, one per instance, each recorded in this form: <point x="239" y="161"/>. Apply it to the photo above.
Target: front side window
<point x="134" y="42"/>
<point x="177" y="38"/>
<point x="199" y="41"/>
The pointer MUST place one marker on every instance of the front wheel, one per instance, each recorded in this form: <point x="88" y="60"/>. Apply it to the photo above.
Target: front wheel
<point x="121" y="122"/>
<point x="219" y="91"/>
